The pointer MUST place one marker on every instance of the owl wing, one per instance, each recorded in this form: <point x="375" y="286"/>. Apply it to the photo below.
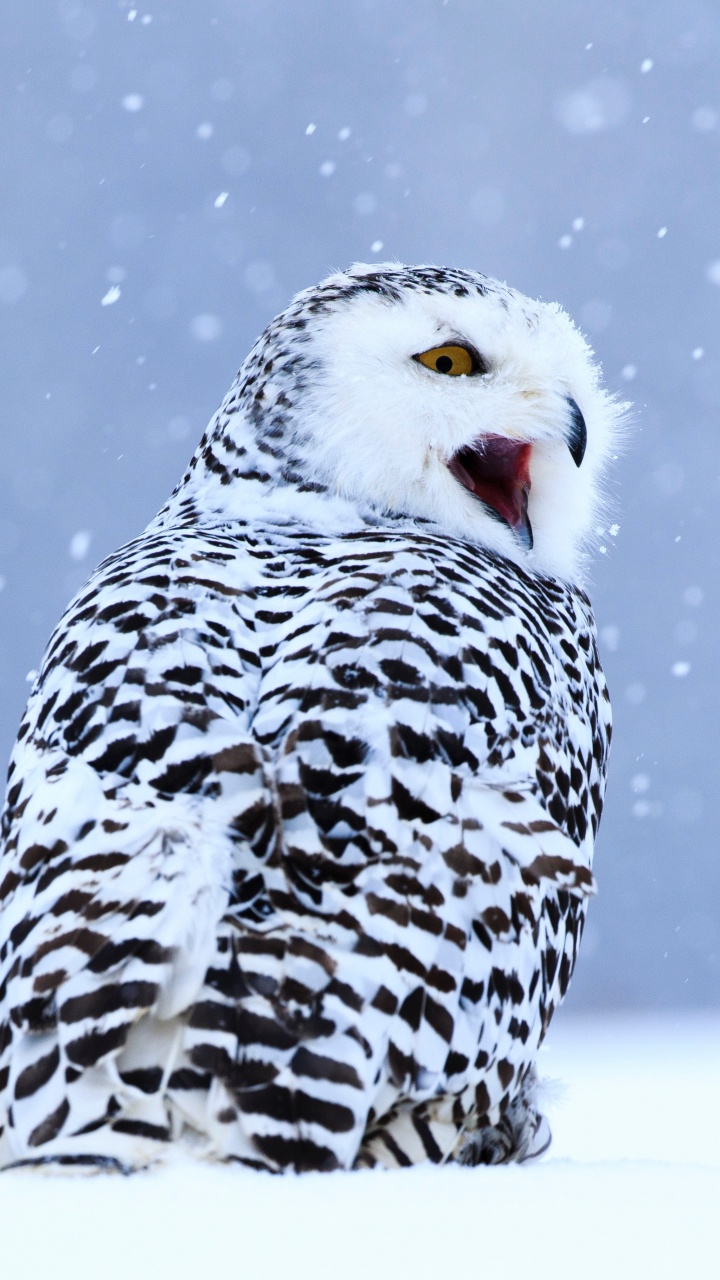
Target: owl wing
<point x="438" y="759"/>
<point x="132" y="763"/>
<point x="422" y="707"/>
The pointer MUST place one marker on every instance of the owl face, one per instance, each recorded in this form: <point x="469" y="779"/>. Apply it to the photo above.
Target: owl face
<point x="475" y="408"/>
<point x="426" y="394"/>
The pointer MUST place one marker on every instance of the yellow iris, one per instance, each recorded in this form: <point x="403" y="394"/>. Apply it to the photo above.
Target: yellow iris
<point x="455" y="361"/>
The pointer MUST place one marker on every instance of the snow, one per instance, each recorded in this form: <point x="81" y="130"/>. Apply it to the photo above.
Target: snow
<point x="601" y="104"/>
<point x="206" y="327"/>
<point x="630" y="1188"/>
<point x="705" y="119"/>
<point x="610" y="635"/>
<point x="80" y="544"/>
<point x="693" y="596"/>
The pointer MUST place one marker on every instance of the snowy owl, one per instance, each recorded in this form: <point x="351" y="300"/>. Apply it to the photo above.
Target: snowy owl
<point x="297" y="842"/>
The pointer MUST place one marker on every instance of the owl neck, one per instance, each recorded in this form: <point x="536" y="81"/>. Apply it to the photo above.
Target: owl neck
<point x="251" y="466"/>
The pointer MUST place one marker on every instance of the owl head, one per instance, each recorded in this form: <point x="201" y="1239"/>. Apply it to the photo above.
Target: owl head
<point x="421" y="394"/>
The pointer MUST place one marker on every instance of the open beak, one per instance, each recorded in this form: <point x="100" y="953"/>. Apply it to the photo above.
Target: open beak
<point x="497" y="472"/>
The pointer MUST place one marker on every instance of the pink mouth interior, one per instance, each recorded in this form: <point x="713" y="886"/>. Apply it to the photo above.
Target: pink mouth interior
<point x="497" y="471"/>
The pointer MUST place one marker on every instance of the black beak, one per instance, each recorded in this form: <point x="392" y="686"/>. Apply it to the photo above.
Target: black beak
<point x="577" y="435"/>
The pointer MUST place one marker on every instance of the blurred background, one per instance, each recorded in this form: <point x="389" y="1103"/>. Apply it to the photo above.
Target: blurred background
<point x="172" y="174"/>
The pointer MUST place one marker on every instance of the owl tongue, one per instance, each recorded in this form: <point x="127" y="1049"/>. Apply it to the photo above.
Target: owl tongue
<point x="497" y="471"/>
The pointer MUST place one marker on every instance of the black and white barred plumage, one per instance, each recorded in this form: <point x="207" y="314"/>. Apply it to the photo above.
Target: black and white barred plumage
<point x="298" y="835"/>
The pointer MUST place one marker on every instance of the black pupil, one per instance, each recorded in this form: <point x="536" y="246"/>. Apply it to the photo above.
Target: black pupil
<point x="443" y="364"/>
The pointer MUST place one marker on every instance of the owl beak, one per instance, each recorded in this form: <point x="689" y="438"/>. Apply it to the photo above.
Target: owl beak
<point x="497" y="472"/>
<point x="577" y="434"/>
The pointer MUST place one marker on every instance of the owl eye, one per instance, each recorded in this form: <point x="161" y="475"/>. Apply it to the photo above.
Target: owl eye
<point x="456" y="361"/>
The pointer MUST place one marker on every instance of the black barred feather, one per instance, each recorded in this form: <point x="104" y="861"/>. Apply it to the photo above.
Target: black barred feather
<point x="297" y="842"/>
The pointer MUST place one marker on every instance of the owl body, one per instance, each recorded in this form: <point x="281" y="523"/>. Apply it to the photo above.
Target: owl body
<point x="298" y="836"/>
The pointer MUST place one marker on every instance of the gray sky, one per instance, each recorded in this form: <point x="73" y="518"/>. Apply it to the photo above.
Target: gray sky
<point x="172" y="173"/>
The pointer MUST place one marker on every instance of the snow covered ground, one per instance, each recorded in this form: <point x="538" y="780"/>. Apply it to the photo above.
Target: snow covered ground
<point x="630" y="1188"/>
